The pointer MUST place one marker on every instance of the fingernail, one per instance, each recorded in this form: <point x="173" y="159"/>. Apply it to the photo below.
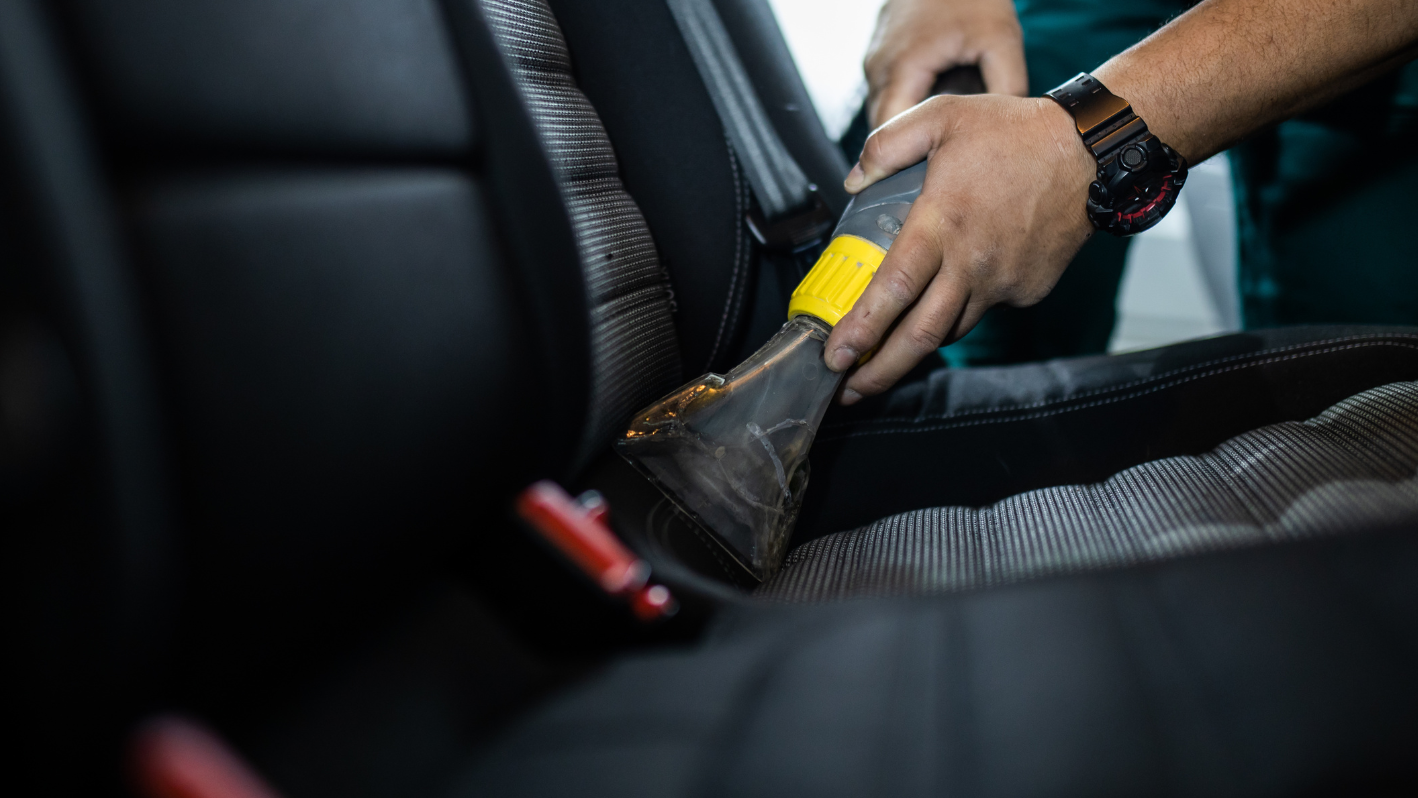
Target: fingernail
<point x="842" y="358"/>
<point x="850" y="397"/>
<point x="855" y="178"/>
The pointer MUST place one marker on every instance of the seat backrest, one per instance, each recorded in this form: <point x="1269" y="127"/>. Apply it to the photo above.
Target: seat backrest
<point x="632" y="63"/>
<point x="323" y="320"/>
<point x="635" y="354"/>
<point x="332" y="279"/>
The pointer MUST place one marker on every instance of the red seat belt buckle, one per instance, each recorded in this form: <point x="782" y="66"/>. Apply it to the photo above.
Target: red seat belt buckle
<point x="578" y="529"/>
<point x="172" y="757"/>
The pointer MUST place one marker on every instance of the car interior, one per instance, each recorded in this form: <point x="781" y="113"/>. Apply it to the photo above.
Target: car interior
<point x="303" y="299"/>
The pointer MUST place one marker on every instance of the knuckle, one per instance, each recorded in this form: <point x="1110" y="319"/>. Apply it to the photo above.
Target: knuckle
<point x="985" y="266"/>
<point x="900" y="286"/>
<point x="869" y="384"/>
<point x="877" y="61"/>
<point x="1006" y="288"/>
<point x="936" y="235"/>
<point x="957" y="218"/>
<point x="922" y="339"/>
<point x="874" y="151"/>
<point x="1032" y="295"/>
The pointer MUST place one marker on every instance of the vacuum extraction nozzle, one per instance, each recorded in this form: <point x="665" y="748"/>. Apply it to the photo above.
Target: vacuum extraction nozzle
<point x="731" y="450"/>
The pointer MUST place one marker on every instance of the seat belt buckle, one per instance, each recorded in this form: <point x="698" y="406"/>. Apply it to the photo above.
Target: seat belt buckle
<point x="796" y="232"/>
<point x="173" y="757"/>
<point x="578" y="530"/>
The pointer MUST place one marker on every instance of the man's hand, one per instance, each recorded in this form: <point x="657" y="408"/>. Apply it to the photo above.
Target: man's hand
<point x="916" y="40"/>
<point x="1002" y="211"/>
<point x="999" y="219"/>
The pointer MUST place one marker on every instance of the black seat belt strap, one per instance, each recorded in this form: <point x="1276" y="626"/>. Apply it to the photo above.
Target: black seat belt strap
<point x="793" y="216"/>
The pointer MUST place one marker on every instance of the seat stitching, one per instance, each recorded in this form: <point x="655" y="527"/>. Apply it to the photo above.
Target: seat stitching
<point x="730" y="301"/>
<point x="1152" y="378"/>
<point x="1100" y="402"/>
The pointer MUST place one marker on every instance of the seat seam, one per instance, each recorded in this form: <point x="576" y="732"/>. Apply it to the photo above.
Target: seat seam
<point x="828" y="436"/>
<point x="1328" y="343"/>
<point x="731" y="300"/>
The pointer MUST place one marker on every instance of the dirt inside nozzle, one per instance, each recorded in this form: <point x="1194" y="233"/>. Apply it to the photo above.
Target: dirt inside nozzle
<point x="731" y="450"/>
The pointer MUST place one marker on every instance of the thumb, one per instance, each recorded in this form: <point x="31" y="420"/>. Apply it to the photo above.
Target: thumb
<point x="904" y="141"/>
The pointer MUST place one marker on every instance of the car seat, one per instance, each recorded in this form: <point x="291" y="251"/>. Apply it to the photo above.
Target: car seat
<point x="315" y="288"/>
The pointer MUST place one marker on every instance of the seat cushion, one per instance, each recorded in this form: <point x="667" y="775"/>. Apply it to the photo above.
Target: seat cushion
<point x="1282" y="670"/>
<point x="971" y="438"/>
<point x="976" y="436"/>
<point x="1352" y="467"/>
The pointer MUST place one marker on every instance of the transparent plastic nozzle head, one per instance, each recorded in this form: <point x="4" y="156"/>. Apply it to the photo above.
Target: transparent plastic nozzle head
<point x="731" y="450"/>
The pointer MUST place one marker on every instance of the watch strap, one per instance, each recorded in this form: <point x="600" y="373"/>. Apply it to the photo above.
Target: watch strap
<point x="1105" y="121"/>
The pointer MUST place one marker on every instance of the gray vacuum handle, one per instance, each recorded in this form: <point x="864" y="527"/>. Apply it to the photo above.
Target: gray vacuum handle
<point x="877" y="213"/>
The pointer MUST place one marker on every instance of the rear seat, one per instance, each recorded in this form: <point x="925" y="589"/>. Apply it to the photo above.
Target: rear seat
<point x="351" y="295"/>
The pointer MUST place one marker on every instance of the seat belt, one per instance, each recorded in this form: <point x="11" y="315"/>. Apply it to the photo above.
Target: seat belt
<point x="790" y="214"/>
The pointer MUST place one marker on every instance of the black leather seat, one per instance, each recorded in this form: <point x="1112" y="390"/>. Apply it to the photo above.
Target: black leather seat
<point x="1283" y="670"/>
<point x="315" y="286"/>
<point x="264" y="248"/>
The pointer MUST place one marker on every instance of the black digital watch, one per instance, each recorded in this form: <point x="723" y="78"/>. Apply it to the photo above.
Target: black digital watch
<point x="1138" y="176"/>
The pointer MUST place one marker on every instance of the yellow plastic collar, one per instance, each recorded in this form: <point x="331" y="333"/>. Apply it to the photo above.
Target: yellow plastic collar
<point x="837" y="281"/>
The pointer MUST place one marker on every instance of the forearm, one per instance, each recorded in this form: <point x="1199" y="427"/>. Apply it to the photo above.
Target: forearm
<point x="1003" y="208"/>
<point x="1228" y="67"/>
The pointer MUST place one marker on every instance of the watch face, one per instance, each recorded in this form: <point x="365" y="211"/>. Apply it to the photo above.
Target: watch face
<point x="1136" y="187"/>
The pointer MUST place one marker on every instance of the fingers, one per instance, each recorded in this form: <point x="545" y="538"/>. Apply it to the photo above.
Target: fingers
<point x="906" y="85"/>
<point x="1002" y="67"/>
<point x="910" y="266"/>
<point x="945" y="312"/>
<point x="904" y="141"/>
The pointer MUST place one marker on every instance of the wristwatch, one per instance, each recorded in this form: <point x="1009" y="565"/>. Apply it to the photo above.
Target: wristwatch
<point x="1138" y="176"/>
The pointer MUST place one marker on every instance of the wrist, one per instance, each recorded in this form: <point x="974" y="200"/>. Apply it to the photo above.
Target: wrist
<point x="1130" y="79"/>
<point x="1074" y="165"/>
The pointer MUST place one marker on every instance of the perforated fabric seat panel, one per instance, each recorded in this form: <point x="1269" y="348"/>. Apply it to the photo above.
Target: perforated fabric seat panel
<point x="1351" y="468"/>
<point x="634" y="348"/>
